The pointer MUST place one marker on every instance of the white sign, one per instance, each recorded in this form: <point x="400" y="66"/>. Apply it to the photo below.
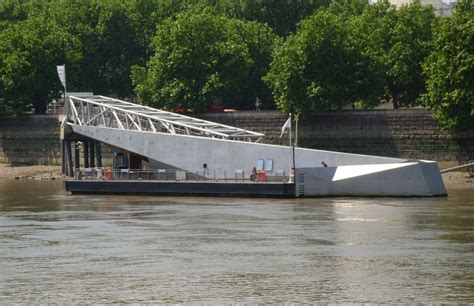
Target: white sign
<point x="62" y="74"/>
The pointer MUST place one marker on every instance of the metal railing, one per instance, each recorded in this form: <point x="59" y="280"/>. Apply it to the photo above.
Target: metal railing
<point x="179" y="175"/>
<point x="469" y="167"/>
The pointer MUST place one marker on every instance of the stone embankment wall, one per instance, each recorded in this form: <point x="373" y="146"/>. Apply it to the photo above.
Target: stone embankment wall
<point x="30" y="141"/>
<point x="396" y="133"/>
<point x="409" y="134"/>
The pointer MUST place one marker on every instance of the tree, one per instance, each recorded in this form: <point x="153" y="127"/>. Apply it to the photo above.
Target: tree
<point x="29" y="51"/>
<point x="196" y="55"/>
<point x="101" y="44"/>
<point x="13" y="72"/>
<point x="369" y="28"/>
<point x="260" y="42"/>
<point x="450" y="69"/>
<point x="397" y="41"/>
<point x="411" y="45"/>
<point x="147" y="15"/>
<point x="281" y="15"/>
<point x="318" y="68"/>
<point x="98" y="40"/>
<point x="12" y="11"/>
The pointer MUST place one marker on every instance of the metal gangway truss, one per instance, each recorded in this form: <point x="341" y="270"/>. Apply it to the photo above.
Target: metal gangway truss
<point x="117" y="114"/>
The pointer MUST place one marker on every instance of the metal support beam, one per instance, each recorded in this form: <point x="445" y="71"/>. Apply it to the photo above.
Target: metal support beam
<point x="69" y="171"/>
<point x="92" y="153"/>
<point x="85" y="151"/>
<point x="77" y="157"/>
<point x="98" y="154"/>
<point x="63" y="157"/>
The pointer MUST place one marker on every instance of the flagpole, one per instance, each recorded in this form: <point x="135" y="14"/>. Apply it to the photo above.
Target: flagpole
<point x="291" y="146"/>
<point x="65" y="90"/>
<point x="290" y="130"/>
<point x="292" y="150"/>
<point x="297" y="119"/>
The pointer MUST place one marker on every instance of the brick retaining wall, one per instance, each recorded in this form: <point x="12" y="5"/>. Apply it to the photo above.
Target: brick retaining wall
<point x="30" y="141"/>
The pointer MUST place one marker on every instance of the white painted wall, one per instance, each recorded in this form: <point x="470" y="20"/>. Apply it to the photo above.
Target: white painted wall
<point x="400" y="179"/>
<point x="190" y="152"/>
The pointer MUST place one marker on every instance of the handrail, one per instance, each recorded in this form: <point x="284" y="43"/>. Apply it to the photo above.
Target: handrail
<point x="177" y="175"/>
<point x="462" y="167"/>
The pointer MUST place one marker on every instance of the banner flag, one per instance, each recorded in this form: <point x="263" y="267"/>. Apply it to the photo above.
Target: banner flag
<point x="286" y="126"/>
<point x="62" y="74"/>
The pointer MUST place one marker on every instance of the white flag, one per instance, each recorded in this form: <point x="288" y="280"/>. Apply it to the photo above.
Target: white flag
<point x="286" y="126"/>
<point x="62" y="74"/>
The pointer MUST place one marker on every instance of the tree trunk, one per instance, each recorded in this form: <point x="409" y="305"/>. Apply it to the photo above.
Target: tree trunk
<point x="39" y="105"/>
<point x="393" y="94"/>
<point x="395" y="102"/>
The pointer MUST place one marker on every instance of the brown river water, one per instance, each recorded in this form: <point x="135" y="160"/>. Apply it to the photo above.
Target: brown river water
<point x="59" y="248"/>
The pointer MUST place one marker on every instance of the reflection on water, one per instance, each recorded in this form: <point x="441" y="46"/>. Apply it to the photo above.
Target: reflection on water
<point x="103" y="249"/>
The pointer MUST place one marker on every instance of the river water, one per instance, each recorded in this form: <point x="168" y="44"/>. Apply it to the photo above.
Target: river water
<point x="59" y="248"/>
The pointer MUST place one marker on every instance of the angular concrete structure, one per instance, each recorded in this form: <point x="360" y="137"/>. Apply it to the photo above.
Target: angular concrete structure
<point x="218" y="151"/>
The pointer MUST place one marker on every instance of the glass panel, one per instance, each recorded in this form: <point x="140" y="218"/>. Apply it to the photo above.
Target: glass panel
<point x="260" y="164"/>
<point x="268" y="164"/>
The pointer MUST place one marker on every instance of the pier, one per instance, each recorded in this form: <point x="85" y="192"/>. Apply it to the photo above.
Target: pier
<point x="146" y="138"/>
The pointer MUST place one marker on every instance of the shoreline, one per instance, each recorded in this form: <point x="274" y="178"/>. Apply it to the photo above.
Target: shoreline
<point x="34" y="172"/>
<point x="457" y="180"/>
<point x="452" y="180"/>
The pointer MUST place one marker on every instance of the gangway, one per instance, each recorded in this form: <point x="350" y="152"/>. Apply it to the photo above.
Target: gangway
<point x="113" y="113"/>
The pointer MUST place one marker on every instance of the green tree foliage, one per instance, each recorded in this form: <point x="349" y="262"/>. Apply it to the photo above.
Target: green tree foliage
<point x="98" y="40"/>
<point x="14" y="69"/>
<point x="370" y="29"/>
<point x="29" y="51"/>
<point x="412" y="43"/>
<point x="281" y="15"/>
<point x="318" y="68"/>
<point x="397" y="41"/>
<point x="12" y="11"/>
<point x="104" y="44"/>
<point x="200" y="54"/>
<point x="182" y="52"/>
<point x="260" y="41"/>
<point x="147" y="15"/>
<point x="354" y="52"/>
<point x="450" y="69"/>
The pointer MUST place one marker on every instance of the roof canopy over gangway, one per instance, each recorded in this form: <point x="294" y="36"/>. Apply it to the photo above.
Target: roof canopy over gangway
<point x="112" y="113"/>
